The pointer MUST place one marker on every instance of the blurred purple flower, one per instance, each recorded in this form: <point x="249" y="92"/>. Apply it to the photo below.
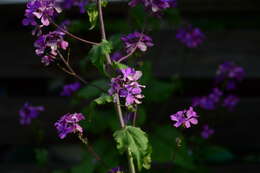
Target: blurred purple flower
<point x="230" y="73"/>
<point x="136" y="40"/>
<point x="127" y="87"/>
<point x="116" y="56"/>
<point x="191" y="37"/>
<point x="208" y="102"/>
<point x="230" y="102"/>
<point x="69" y="124"/>
<point x="29" y="112"/>
<point x="116" y="170"/>
<point x="185" y="118"/>
<point x="78" y="3"/>
<point x="155" y="7"/>
<point x="69" y="89"/>
<point x="207" y="132"/>
<point x="43" y="10"/>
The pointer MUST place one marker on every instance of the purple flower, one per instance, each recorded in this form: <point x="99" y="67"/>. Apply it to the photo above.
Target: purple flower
<point x="116" y="170"/>
<point x="191" y="37"/>
<point x="206" y="132"/>
<point x="127" y="87"/>
<point x="155" y="7"/>
<point x="78" y="3"/>
<point x="229" y="73"/>
<point x="208" y="102"/>
<point x="185" y="118"/>
<point x="29" y="112"/>
<point x="69" y="89"/>
<point x="116" y="56"/>
<point x="43" y="10"/>
<point x="136" y="40"/>
<point x="49" y="44"/>
<point x="69" y="124"/>
<point x="230" y="102"/>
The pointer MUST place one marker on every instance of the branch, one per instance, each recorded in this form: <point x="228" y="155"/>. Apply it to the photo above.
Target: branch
<point x="74" y="36"/>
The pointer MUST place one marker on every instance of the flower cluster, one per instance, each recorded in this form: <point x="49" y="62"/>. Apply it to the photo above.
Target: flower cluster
<point x="228" y="75"/>
<point x="69" y="89"/>
<point x="127" y="87"/>
<point x="29" y="112"/>
<point x="230" y="102"/>
<point x="207" y="132"/>
<point x="67" y="4"/>
<point x="191" y="37"/>
<point x="47" y="46"/>
<point x="135" y="41"/>
<point x="185" y="118"/>
<point x="155" y="7"/>
<point x="69" y="124"/>
<point x="208" y="102"/>
<point x="43" y="10"/>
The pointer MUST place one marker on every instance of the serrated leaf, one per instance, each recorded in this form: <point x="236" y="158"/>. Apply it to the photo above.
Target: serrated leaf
<point x="98" y="53"/>
<point x="135" y="141"/>
<point x="104" y="98"/>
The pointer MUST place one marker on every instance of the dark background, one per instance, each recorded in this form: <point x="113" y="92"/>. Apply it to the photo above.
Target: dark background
<point x="232" y="30"/>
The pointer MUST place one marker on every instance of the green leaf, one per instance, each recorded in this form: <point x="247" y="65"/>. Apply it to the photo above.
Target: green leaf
<point x="135" y="141"/>
<point x="118" y="65"/>
<point x="98" y="53"/>
<point x="93" y="16"/>
<point x="104" y="98"/>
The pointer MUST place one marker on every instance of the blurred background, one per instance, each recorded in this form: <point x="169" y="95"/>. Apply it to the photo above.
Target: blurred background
<point x="232" y="34"/>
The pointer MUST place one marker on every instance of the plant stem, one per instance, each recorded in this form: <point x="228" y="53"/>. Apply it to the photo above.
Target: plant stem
<point x="74" y="36"/>
<point x="91" y="150"/>
<point x="117" y="104"/>
<point x="131" y="162"/>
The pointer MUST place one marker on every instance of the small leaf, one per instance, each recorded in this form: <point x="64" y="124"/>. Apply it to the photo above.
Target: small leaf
<point x="134" y="140"/>
<point x="93" y="16"/>
<point x="118" y="65"/>
<point x="104" y="98"/>
<point x="98" y="53"/>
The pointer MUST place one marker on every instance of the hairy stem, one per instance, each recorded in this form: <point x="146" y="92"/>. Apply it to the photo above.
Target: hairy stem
<point x="131" y="162"/>
<point x="118" y="107"/>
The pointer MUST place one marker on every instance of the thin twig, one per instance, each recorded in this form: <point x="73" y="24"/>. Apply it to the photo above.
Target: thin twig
<point x="74" y="36"/>
<point x="91" y="150"/>
<point x="71" y="72"/>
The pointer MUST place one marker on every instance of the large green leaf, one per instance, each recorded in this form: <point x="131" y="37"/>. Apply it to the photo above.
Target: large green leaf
<point x="134" y="140"/>
<point x="98" y="53"/>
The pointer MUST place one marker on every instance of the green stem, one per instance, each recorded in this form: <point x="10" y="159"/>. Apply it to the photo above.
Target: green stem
<point x="117" y="104"/>
<point x="131" y="162"/>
